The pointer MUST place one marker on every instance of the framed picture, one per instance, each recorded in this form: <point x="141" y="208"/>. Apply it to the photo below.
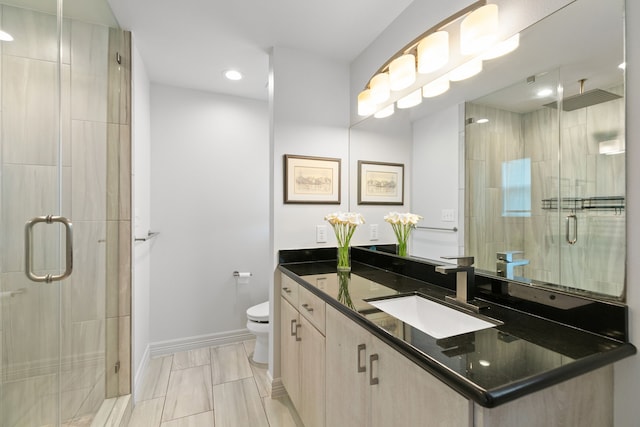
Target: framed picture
<point x="311" y="180"/>
<point x="380" y="183"/>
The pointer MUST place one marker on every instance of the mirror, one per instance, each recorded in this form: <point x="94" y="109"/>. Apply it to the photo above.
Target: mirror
<point x="557" y="223"/>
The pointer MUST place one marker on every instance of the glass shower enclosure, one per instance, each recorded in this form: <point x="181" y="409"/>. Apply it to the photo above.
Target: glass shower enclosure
<point x="64" y="140"/>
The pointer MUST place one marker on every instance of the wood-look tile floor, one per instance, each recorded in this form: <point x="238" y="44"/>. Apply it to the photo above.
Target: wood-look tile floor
<point x="214" y="386"/>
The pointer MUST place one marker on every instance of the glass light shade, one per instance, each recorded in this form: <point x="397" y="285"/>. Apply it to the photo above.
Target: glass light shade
<point x="479" y="30"/>
<point x="465" y="71"/>
<point x="5" y="37"/>
<point x="385" y="112"/>
<point x="366" y="106"/>
<point x="380" y="89"/>
<point x="433" y="52"/>
<point x="402" y="72"/>
<point x="436" y="87"/>
<point x="502" y="48"/>
<point x="411" y="100"/>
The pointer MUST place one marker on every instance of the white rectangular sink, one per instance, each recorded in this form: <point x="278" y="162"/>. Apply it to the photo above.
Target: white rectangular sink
<point x="436" y="320"/>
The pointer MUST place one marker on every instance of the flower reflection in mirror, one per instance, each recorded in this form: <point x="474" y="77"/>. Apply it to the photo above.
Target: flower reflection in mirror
<point x="343" y="289"/>
<point x="402" y="224"/>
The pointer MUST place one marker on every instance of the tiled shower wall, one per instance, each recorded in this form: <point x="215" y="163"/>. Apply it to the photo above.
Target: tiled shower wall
<point x="95" y="186"/>
<point x="596" y="262"/>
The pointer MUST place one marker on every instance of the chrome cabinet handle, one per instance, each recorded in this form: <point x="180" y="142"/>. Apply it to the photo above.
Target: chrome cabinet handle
<point x="361" y="367"/>
<point x="306" y="307"/>
<point x="568" y="227"/>
<point x="298" y="326"/>
<point x="28" y="253"/>
<point x="372" y="380"/>
<point x="294" y="329"/>
<point x="287" y="290"/>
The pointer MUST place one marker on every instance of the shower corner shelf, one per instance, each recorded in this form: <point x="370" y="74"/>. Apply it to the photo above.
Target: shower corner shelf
<point x="601" y="203"/>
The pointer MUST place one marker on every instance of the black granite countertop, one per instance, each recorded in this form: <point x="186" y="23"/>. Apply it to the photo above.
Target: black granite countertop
<point x="524" y="354"/>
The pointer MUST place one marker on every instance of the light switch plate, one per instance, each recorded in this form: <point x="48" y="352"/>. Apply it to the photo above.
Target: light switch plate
<point x="373" y="232"/>
<point x="448" y="215"/>
<point x="321" y="234"/>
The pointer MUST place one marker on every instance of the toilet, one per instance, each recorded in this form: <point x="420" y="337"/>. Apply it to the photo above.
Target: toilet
<point x="258" y="325"/>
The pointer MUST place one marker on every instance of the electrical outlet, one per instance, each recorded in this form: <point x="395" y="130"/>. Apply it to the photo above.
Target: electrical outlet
<point x="448" y="215"/>
<point x="373" y="232"/>
<point x="321" y="234"/>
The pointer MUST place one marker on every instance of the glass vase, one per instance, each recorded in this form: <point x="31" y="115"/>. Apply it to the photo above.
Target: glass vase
<point x="344" y="258"/>
<point x="402" y="248"/>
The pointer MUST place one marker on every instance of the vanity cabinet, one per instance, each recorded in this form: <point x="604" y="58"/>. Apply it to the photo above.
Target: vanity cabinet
<point x="371" y="384"/>
<point x="302" y="352"/>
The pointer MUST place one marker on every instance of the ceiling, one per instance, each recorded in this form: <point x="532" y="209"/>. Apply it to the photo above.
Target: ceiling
<point x="191" y="43"/>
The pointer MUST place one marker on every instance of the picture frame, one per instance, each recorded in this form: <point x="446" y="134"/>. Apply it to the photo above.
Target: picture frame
<point x="380" y="183"/>
<point x="311" y="180"/>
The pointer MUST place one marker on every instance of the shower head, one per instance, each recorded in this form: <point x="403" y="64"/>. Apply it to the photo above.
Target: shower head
<point x="584" y="99"/>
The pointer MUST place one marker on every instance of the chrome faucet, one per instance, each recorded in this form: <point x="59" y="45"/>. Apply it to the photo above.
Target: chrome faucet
<point x="465" y="280"/>
<point x="506" y="263"/>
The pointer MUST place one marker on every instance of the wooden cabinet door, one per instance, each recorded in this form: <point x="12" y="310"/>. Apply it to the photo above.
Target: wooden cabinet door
<point x="408" y="396"/>
<point x="312" y="379"/>
<point x="289" y="350"/>
<point x="347" y="371"/>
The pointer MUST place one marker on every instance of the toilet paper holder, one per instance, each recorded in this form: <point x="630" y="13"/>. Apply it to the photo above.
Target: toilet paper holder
<point x="238" y="274"/>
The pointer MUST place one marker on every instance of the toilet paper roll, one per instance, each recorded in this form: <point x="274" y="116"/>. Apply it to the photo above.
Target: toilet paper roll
<point x="242" y="278"/>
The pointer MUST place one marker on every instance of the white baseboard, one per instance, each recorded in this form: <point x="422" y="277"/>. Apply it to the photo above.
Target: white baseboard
<point x="191" y="343"/>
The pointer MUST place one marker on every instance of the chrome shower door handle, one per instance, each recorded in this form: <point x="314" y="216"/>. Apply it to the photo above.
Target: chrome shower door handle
<point x="568" y="228"/>
<point x="28" y="252"/>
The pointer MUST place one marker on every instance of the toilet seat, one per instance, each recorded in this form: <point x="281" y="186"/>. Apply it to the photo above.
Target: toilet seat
<point x="259" y="313"/>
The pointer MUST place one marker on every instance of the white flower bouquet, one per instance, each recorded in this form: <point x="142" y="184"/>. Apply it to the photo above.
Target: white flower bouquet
<point x="344" y="225"/>
<point x="402" y="224"/>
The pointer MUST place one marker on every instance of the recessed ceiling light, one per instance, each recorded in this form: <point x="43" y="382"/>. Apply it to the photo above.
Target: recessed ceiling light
<point x="233" y="75"/>
<point x="484" y="363"/>
<point x="5" y="37"/>
<point x="544" y="92"/>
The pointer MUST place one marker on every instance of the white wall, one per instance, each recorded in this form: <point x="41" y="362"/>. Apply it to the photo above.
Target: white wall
<point x="210" y="203"/>
<point x="141" y="145"/>
<point x="310" y="118"/>
<point x="438" y="181"/>
<point x="627" y="380"/>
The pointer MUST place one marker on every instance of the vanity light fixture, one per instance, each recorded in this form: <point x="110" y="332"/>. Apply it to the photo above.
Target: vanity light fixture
<point x="482" y="121"/>
<point x="436" y="87"/>
<point x="5" y="37"/>
<point x="411" y="100"/>
<point x="385" y="112"/>
<point x="402" y="72"/>
<point x="479" y="30"/>
<point x="466" y="70"/>
<point x="480" y="40"/>
<point x="502" y="48"/>
<point x="366" y="106"/>
<point x="234" y="75"/>
<point x="433" y="52"/>
<point x="380" y="88"/>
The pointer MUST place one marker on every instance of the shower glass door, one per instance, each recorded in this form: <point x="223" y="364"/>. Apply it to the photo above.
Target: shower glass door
<point x="58" y="131"/>
<point x="31" y="175"/>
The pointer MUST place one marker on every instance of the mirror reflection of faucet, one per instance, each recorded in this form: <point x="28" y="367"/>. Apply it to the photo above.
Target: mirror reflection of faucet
<point x="506" y="263"/>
